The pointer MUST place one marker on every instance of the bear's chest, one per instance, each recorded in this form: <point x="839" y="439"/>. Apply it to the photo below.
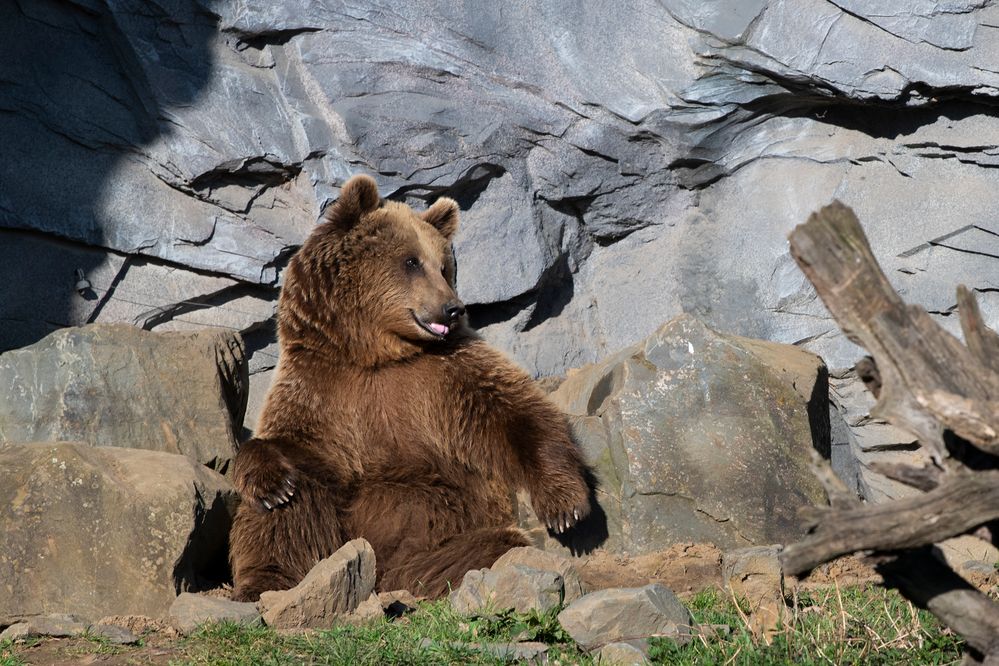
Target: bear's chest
<point x="420" y="414"/>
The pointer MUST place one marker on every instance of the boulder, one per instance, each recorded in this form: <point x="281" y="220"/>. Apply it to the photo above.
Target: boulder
<point x="627" y="614"/>
<point x="188" y="611"/>
<point x="335" y="587"/>
<point x="117" y="385"/>
<point x="696" y="436"/>
<point x="100" y="531"/>
<point x="514" y="587"/>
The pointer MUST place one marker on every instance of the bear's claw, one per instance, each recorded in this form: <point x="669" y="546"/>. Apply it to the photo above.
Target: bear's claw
<point x="564" y="520"/>
<point x="279" y="497"/>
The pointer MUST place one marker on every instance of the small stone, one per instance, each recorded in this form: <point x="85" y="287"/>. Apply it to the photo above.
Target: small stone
<point x="515" y="587"/>
<point x="113" y="634"/>
<point x="368" y="611"/>
<point x="191" y="610"/>
<point x="335" y="587"/>
<point x="397" y="602"/>
<point x="626" y="614"/>
<point x="57" y="626"/>
<point x="754" y="575"/>
<point x="16" y="632"/>
<point x="529" y="651"/>
<point x="623" y="654"/>
<point x="714" y="632"/>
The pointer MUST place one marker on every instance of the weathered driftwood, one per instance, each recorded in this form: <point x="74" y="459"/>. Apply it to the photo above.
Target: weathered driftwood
<point x="983" y="343"/>
<point x="929" y="383"/>
<point x="957" y="506"/>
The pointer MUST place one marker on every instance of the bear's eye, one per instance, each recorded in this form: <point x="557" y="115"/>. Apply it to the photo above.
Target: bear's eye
<point x="413" y="264"/>
<point x="443" y="269"/>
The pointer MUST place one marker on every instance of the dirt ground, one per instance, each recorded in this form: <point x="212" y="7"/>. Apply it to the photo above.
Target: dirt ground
<point x="684" y="568"/>
<point x="157" y="648"/>
<point x="689" y="568"/>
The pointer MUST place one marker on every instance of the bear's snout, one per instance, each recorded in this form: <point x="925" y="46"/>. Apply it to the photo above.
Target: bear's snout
<point x="453" y="310"/>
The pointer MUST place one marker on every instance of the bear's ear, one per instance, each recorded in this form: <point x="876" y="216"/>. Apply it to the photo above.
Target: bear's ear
<point x="443" y="216"/>
<point x="358" y="196"/>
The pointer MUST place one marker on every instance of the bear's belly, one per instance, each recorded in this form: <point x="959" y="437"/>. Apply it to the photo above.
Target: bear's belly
<point x="413" y="506"/>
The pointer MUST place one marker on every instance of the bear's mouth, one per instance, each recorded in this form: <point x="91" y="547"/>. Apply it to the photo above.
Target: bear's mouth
<point x="433" y="328"/>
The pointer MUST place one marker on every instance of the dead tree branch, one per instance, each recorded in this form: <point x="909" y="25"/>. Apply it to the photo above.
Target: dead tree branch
<point x="926" y="382"/>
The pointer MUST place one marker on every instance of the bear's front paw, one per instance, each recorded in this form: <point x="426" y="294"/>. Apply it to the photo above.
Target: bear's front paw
<point x="274" y="492"/>
<point x="269" y="485"/>
<point x="559" y="511"/>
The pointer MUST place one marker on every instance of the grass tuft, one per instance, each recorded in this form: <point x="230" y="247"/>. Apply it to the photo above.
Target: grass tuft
<point x="863" y="625"/>
<point x="7" y="656"/>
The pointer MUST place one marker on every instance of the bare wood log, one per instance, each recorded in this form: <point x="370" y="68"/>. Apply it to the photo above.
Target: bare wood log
<point x="974" y="420"/>
<point x="921" y="478"/>
<point x="931" y="584"/>
<point x="982" y="342"/>
<point x="840" y="497"/>
<point x="920" y="364"/>
<point x="961" y="504"/>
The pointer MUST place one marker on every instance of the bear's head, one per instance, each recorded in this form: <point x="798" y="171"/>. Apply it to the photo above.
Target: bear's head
<point x="374" y="283"/>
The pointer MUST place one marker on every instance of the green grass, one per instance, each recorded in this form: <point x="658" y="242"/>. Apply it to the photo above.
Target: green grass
<point x="850" y="626"/>
<point x="7" y="656"/>
<point x="384" y="642"/>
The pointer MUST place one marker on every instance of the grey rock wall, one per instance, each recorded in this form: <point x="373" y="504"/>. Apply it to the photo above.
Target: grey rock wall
<point x="617" y="162"/>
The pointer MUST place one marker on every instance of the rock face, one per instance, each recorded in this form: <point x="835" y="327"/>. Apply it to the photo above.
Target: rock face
<point x="115" y="385"/>
<point x="697" y="436"/>
<point x="331" y="590"/>
<point x="604" y="190"/>
<point x="98" y="531"/>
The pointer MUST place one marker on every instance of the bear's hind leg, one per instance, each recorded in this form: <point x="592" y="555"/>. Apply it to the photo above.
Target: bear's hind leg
<point x="274" y="549"/>
<point x="433" y="573"/>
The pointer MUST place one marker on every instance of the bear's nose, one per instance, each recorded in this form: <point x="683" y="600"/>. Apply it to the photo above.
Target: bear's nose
<point x="453" y="310"/>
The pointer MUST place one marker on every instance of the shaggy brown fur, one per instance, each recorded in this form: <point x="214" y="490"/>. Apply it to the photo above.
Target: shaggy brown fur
<point x="378" y="426"/>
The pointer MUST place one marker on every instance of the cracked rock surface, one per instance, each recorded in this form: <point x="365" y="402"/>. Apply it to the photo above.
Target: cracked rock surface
<point x="698" y="437"/>
<point x="100" y="530"/>
<point x="616" y="163"/>
<point x="115" y="385"/>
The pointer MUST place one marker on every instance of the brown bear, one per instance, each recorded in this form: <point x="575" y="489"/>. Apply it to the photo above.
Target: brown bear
<point x="389" y="419"/>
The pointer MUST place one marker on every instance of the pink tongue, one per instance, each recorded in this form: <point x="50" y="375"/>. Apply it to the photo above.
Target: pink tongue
<point x="439" y="329"/>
